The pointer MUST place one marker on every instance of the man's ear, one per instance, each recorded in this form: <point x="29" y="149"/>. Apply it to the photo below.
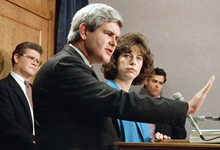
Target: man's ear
<point x="83" y="30"/>
<point x="16" y="58"/>
<point x="146" y="82"/>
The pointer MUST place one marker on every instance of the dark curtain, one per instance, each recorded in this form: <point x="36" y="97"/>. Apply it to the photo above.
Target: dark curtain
<point x="65" y="10"/>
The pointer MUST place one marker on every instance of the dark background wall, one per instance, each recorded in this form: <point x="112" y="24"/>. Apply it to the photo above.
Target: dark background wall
<point x="184" y="36"/>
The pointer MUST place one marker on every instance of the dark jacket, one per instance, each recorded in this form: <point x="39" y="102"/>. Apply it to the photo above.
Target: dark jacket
<point x="173" y="132"/>
<point x="74" y="109"/>
<point x="16" y="129"/>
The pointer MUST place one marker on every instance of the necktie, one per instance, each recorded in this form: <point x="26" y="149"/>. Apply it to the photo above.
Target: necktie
<point x="29" y="92"/>
<point x="92" y="68"/>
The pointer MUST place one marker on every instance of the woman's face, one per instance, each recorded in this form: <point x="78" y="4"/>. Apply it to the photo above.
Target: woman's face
<point x="130" y="63"/>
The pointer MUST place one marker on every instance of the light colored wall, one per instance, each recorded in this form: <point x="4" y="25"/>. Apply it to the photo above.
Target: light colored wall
<point x="184" y="36"/>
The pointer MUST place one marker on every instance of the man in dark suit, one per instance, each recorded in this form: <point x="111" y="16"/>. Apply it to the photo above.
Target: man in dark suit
<point x="16" y="109"/>
<point x="73" y="109"/>
<point x="154" y="87"/>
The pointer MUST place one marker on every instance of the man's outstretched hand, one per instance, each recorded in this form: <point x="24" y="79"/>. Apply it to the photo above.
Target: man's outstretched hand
<point x="197" y="100"/>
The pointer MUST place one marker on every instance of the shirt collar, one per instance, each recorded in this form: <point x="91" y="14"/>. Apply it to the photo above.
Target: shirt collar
<point x="17" y="77"/>
<point x="81" y="54"/>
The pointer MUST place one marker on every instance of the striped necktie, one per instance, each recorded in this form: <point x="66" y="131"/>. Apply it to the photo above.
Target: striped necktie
<point x="29" y="92"/>
<point x="92" y="68"/>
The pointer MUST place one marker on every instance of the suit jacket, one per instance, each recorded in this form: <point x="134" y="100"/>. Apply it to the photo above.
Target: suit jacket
<point x="16" y="129"/>
<point x="73" y="108"/>
<point x="173" y="132"/>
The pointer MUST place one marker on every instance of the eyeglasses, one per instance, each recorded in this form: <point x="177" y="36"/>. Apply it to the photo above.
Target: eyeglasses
<point x="33" y="60"/>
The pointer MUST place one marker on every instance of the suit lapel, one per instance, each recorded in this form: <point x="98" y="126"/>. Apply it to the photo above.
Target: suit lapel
<point x="17" y="89"/>
<point x="144" y="129"/>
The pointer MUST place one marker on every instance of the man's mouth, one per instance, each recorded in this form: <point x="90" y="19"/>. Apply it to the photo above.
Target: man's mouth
<point x="109" y="51"/>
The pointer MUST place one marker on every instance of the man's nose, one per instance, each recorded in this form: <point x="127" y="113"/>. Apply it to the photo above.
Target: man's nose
<point x="113" y="42"/>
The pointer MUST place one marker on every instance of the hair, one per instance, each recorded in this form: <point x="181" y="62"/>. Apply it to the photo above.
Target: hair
<point x="22" y="49"/>
<point x="160" y="72"/>
<point x="93" y="15"/>
<point x="110" y="69"/>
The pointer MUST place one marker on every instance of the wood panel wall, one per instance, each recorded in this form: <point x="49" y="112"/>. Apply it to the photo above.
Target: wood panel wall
<point x="25" y="20"/>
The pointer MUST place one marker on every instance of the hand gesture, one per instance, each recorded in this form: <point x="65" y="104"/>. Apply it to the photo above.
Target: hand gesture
<point x="197" y="100"/>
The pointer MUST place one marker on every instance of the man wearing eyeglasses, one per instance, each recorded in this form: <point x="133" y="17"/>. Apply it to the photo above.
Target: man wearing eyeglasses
<point x="16" y="108"/>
